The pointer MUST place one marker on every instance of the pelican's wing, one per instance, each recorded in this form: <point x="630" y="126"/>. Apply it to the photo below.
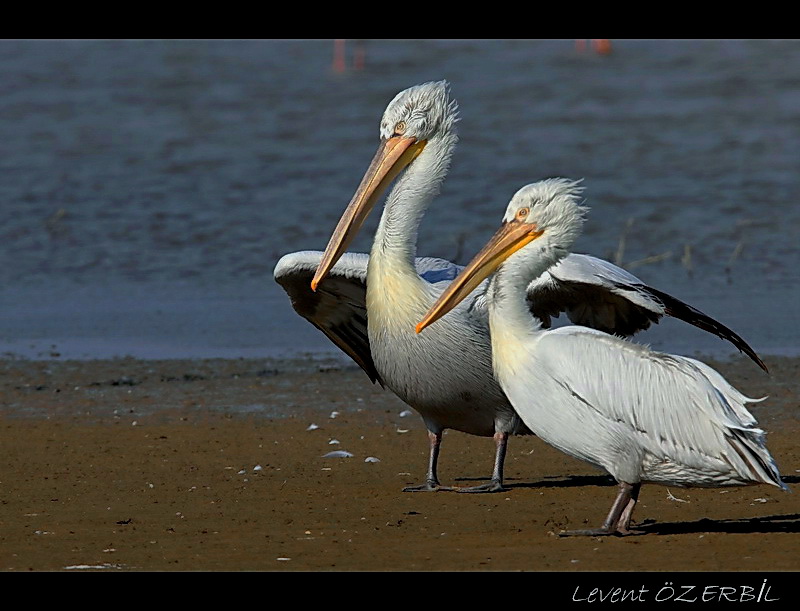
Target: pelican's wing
<point x="436" y="270"/>
<point x="597" y="294"/>
<point x="675" y="406"/>
<point x="338" y="306"/>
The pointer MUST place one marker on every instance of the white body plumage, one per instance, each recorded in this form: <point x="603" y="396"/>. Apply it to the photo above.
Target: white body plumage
<point x="641" y="415"/>
<point x="636" y="413"/>
<point x="446" y="376"/>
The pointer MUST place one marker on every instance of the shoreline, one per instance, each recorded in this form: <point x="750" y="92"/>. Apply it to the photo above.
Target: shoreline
<point x="192" y="320"/>
<point x="213" y="465"/>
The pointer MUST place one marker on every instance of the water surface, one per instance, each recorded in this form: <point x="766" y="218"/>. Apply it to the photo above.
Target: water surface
<point x="149" y="187"/>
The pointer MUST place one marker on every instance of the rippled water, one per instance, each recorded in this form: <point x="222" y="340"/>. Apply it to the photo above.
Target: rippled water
<point x="148" y="187"/>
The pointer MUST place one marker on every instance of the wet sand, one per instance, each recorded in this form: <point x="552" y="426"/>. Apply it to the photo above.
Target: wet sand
<point x="209" y="465"/>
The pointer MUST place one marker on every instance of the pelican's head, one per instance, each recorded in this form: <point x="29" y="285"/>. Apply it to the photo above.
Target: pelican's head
<point x="422" y="112"/>
<point x="542" y="221"/>
<point x="553" y="206"/>
<point x="415" y="116"/>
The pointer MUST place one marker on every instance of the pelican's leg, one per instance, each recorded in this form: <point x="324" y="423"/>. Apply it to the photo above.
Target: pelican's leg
<point x="496" y="485"/>
<point x="618" y="518"/>
<point x="432" y="480"/>
<point x="624" y="523"/>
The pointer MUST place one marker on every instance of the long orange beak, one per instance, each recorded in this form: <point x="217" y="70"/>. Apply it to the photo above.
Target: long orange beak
<point x="511" y="236"/>
<point x="392" y="157"/>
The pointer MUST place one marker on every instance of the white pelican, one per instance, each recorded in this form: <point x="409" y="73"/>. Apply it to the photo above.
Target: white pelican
<point x="641" y="415"/>
<point x="445" y="375"/>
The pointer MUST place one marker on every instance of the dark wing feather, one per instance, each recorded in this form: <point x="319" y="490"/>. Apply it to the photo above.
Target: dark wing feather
<point x="683" y="311"/>
<point x="597" y="294"/>
<point x="337" y="307"/>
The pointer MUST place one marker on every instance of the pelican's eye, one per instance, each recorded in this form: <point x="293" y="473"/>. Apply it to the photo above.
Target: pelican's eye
<point x="400" y="128"/>
<point x="522" y="214"/>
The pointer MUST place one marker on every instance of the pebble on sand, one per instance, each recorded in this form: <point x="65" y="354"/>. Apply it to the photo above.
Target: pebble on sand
<point x="338" y="454"/>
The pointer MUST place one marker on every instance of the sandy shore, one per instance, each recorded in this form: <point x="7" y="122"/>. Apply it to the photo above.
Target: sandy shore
<point x="210" y="465"/>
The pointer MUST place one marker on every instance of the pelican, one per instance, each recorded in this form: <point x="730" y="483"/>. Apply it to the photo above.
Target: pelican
<point x="368" y="305"/>
<point x="642" y="415"/>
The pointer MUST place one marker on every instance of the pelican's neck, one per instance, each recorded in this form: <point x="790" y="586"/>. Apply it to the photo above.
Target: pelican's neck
<point x="397" y="297"/>
<point x="395" y="241"/>
<point x="510" y="318"/>
<point x="508" y="307"/>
